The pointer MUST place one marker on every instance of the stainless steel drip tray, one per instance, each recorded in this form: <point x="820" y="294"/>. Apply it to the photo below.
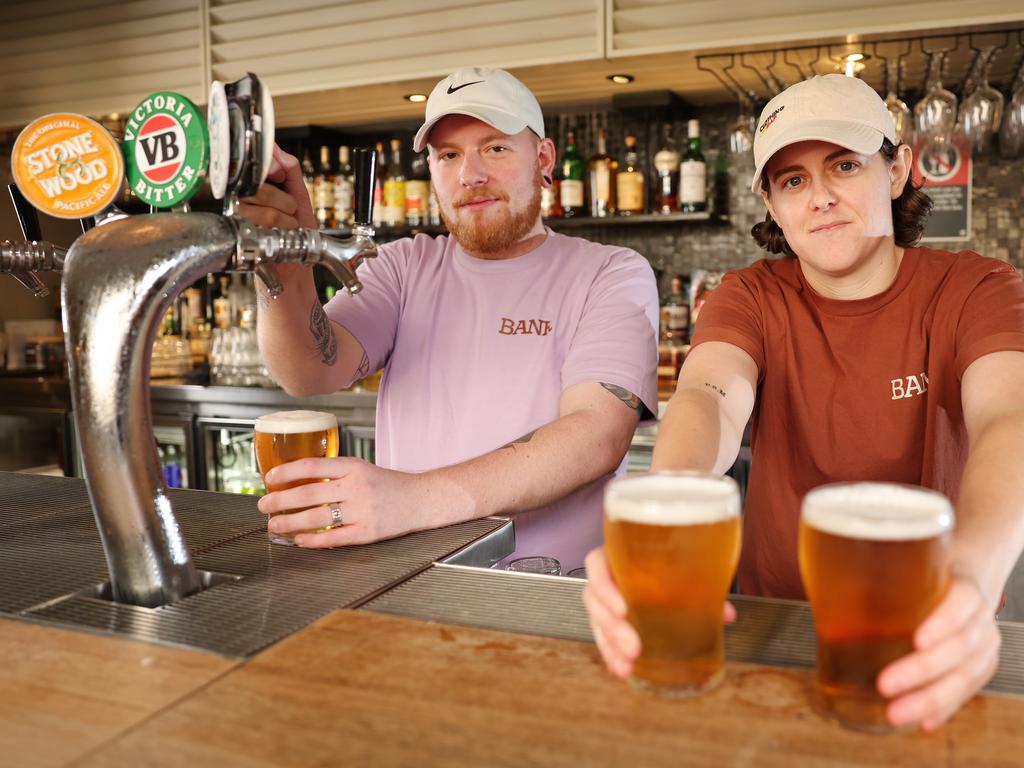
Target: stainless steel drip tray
<point x="259" y="593"/>
<point x="768" y="631"/>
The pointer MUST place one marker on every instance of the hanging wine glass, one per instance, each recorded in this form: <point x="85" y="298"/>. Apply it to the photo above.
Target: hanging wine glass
<point x="1011" y="132"/>
<point x="982" y="108"/>
<point x="898" y="109"/>
<point x="935" y="113"/>
<point x="741" y="140"/>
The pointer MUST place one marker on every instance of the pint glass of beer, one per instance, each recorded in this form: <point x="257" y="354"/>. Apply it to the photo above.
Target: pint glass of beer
<point x="673" y="542"/>
<point x="874" y="562"/>
<point x="289" y="435"/>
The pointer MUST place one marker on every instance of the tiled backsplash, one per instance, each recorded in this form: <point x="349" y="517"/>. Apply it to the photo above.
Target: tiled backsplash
<point x="997" y="203"/>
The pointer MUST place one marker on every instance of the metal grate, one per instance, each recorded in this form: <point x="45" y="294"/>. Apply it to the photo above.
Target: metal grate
<point x="768" y="631"/>
<point x="51" y="561"/>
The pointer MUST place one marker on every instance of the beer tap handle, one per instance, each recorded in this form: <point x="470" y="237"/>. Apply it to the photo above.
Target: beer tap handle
<point x="28" y="217"/>
<point x="364" y="161"/>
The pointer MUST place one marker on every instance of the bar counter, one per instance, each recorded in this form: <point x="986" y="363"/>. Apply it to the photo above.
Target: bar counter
<point x="359" y="688"/>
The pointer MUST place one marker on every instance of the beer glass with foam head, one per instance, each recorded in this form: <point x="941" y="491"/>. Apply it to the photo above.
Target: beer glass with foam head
<point x="874" y="562"/>
<point x="290" y="435"/>
<point x="673" y="542"/>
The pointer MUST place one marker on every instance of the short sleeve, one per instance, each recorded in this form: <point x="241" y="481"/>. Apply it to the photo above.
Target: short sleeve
<point x="616" y="341"/>
<point x="732" y="314"/>
<point x="372" y="314"/>
<point x="992" y="319"/>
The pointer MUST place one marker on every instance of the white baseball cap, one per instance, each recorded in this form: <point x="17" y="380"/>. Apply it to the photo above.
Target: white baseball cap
<point x="491" y="95"/>
<point x="834" y="108"/>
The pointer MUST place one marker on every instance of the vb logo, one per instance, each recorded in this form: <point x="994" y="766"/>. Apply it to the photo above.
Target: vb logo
<point x="159" y="148"/>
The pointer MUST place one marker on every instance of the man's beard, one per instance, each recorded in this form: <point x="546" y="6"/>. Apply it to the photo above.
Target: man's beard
<point x="499" y="233"/>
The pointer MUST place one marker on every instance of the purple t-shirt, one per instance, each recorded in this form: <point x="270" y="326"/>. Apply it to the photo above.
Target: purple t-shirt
<point x="476" y="354"/>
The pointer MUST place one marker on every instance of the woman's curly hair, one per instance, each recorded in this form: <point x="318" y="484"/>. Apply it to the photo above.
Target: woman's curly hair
<point x="909" y="213"/>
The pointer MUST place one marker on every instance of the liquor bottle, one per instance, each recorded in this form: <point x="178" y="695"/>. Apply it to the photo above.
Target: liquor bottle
<point x="343" y="189"/>
<point x="666" y="166"/>
<point x="720" y="183"/>
<point x="551" y="197"/>
<point x="601" y="178"/>
<point x="675" y="313"/>
<point x="433" y="208"/>
<point x="212" y="293"/>
<point x="222" y="305"/>
<point x="572" y="192"/>
<point x="417" y="192"/>
<point x="693" y="173"/>
<point x="378" y="186"/>
<point x="394" y="188"/>
<point x="323" y="190"/>
<point x="630" y="187"/>
<point x="308" y="172"/>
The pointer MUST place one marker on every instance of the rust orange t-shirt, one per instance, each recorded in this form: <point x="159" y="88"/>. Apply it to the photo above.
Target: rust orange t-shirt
<point x="855" y="390"/>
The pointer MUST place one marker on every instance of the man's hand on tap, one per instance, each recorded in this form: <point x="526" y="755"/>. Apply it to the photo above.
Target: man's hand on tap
<point x="375" y="503"/>
<point x="283" y="201"/>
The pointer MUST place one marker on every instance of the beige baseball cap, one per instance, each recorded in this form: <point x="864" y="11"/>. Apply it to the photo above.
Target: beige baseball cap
<point x="835" y="108"/>
<point x="491" y="95"/>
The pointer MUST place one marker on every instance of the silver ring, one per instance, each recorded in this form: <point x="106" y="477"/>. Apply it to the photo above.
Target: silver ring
<point x="336" y="520"/>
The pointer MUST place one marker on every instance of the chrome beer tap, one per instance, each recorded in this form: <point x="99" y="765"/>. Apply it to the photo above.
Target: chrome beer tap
<point x="259" y="246"/>
<point x="23" y="259"/>
<point x="119" y="280"/>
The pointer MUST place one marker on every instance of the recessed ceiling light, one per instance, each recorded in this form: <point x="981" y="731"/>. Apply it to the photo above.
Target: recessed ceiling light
<point x="621" y="79"/>
<point x="415" y="98"/>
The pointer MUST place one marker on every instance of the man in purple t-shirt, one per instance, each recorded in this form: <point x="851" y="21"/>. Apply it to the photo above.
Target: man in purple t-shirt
<point x="517" y="361"/>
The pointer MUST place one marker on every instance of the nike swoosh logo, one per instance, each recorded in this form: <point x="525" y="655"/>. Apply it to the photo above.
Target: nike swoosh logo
<point x="453" y="89"/>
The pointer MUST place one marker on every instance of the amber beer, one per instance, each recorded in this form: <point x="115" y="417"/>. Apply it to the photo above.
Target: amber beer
<point x="874" y="561"/>
<point x="290" y="435"/>
<point x="673" y="542"/>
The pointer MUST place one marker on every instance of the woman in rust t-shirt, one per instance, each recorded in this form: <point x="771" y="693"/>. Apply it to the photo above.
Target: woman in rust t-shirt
<point x="858" y="356"/>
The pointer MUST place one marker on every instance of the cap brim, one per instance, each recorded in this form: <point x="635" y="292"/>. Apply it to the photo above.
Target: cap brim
<point x="503" y="121"/>
<point x="853" y="136"/>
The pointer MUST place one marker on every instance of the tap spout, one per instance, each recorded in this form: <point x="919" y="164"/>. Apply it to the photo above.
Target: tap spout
<point x="119" y="280"/>
<point x="258" y="246"/>
<point x="21" y="260"/>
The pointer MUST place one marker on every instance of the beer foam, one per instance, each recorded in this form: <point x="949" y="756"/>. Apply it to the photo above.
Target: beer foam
<point x="878" y="511"/>
<point x="672" y="499"/>
<point x="293" y="422"/>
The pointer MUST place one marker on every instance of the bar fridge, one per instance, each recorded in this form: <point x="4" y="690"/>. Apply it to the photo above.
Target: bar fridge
<point x="227" y="455"/>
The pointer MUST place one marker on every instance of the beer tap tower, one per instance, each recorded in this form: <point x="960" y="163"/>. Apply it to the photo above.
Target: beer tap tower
<point x="119" y="280"/>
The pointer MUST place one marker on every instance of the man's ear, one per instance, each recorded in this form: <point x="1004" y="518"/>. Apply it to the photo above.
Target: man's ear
<point x="546" y="158"/>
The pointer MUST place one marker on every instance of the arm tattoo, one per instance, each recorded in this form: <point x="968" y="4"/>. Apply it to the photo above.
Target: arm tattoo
<point x="364" y="367"/>
<point x="524" y="439"/>
<point x="323" y="335"/>
<point x="627" y="397"/>
<point x="714" y="388"/>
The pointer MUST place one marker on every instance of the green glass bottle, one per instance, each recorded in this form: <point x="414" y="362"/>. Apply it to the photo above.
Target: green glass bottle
<point x="573" y="172"/>
<point x="693" y="192"/>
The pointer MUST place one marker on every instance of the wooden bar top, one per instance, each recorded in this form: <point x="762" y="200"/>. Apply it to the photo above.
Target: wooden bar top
<point x="359" y="688"/>
<point x="63" y="693"/>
